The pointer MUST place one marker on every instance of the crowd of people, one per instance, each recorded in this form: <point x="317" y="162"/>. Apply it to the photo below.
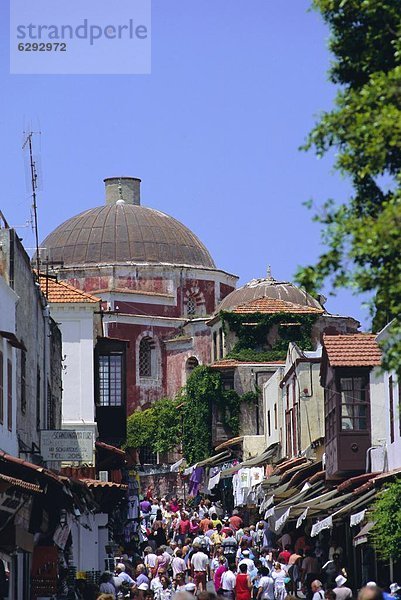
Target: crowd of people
<point x="200" y="551"/>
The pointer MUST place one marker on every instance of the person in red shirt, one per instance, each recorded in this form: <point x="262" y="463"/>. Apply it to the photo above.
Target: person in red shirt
<point x="284" y="555"/>
<point x="243" y="585"/>
<point x="235" y="521"/>
<point x="184" y="527"/>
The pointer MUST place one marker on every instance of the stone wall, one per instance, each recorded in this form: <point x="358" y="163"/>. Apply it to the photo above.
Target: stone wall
<point x="42" y="340"/>
<point x="164" y="482"/>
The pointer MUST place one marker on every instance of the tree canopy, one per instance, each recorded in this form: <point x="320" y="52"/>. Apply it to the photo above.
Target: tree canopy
<point x="362" y="236"/>
<point x="158" y="427"/>
<point x="386" y="515"/>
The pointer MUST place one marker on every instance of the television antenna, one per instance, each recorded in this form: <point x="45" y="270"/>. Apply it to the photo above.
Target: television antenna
<point x="34" y="186"/>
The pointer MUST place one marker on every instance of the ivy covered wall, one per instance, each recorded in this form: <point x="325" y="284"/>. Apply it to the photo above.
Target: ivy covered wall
<point x="265" y="337"/>
<point x="187" y="419"/>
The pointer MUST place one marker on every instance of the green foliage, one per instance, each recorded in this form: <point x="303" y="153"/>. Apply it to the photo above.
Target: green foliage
<point x="204" y="390"/>
<point x="364" y="130"/>
<point x="250" y="355"/>
<point x="252" y="331"/>
<point x="198" y="396"/>
<point x="158" y="427"/>
<point x="386" y="514"/>
<point x="188" y="418"/>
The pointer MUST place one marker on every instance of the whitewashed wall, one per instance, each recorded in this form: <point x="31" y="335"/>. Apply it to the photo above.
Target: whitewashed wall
<point x="272" y="395"/>
<point x="76" y="322"/>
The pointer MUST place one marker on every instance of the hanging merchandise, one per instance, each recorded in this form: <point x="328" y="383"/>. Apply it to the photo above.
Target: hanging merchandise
<point x="213" y="481"/>
<point x="195" y="481"/>
<point x="256" y="475"/>
<point x="133" y="507"/>
<point x="245" y="479"/>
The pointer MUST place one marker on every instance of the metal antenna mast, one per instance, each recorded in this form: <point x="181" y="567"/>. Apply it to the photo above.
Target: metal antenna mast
<point x="34" y="185"/>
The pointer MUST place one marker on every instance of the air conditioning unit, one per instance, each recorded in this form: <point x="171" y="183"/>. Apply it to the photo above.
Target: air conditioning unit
<point x="103" y="475"/>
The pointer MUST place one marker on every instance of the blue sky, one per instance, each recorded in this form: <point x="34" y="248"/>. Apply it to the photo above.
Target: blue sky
<point x="213" y="133"/>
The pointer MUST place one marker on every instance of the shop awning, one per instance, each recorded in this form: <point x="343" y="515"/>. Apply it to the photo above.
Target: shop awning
<point x="256" y="461"/>
<point x="176" y="466"/>
<point x="213" y="460"/>
<point x="362" y="536"/>
<point x="361" y="501"/>
<point x="300" y="495"/>
<point x="228" y="443"/>
<point x="327" y="522"/>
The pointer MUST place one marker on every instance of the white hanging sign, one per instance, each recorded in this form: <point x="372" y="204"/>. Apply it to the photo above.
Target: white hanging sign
<point x="269" y="513"/>
<point x="326" y="523"/>
<point x="281" y="521"/>
<point x="357" y="518"/>
<point x="302" y="517"/>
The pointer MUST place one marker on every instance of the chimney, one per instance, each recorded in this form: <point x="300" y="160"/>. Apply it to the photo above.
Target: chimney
<point x="127" y="189"/>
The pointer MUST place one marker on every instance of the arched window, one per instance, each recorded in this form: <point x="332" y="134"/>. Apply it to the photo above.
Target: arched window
<point x="146" y="348"/>
<point x="191" y="306"/>
<point x="191" y="364"/>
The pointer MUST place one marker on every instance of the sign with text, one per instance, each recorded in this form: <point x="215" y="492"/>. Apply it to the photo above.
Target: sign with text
<point x="80" y="37"/>
<point x="67" y="445"/>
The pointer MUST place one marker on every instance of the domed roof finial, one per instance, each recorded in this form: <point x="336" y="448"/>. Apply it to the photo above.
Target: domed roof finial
<point x="269" y="273"/>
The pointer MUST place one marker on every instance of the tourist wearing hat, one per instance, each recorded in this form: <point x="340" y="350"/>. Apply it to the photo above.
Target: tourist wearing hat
<point x="246" y="560"/>
<point x="190" y="588"/>
<point x="395" y="590"/>
<point x="341" y="591"/>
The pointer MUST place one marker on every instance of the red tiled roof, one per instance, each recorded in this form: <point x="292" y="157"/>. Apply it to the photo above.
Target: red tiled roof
<point x="231" y="363"/>
<point x="60" y="292"/>
<point x="289" y="464"/>
<point x="352" y="350"/>
<point x="94" y="483"/>
<point x="109" y="448"/>
<point x="274" y="305"/>
<point x="14" y="460"/>
<point x="25" y="485"/>
<point x="355" y="482"/>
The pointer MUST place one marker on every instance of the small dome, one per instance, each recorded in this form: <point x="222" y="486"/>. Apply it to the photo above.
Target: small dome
<point x="125" y="233"/>
<point x="268" y="288"/>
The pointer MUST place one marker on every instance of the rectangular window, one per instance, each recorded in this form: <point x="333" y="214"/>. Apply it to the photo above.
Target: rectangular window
<point x="391" y="403"/>
<point x="147" y="456"/>
<point x="354" y="403"/>
<point x="110" y="379"/>
<point x="1" y="389"/>
<point x="288" y="426"/>
<point x="51" y="415"/>
<point x="268" y="423"/>
<point x="330" y="395"/>
<point x="221" y="343"/>
<point x="275" y="416"/>
<point x="23" y="381"/>
<point x="214" y="346"/>
<point x="38" y="398"/>
<point x="9" y="395"/>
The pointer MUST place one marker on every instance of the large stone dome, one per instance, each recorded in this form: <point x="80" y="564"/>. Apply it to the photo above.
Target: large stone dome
<point x="268" y="288"/>
<point x="123" y="231"/>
